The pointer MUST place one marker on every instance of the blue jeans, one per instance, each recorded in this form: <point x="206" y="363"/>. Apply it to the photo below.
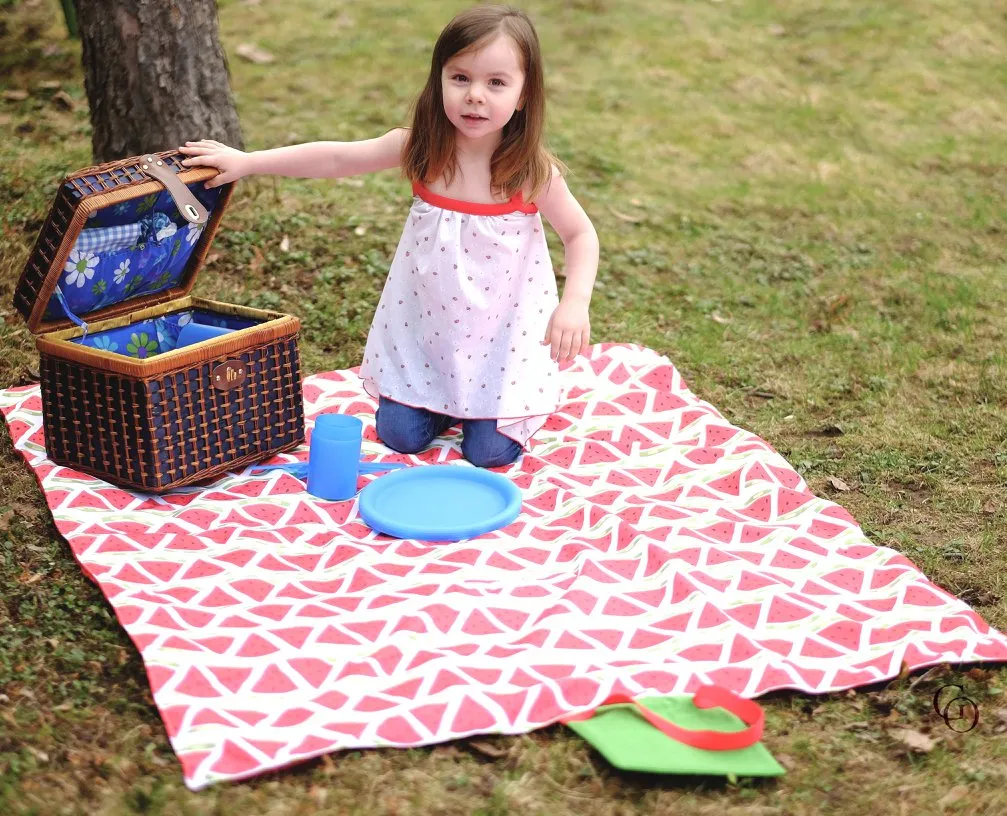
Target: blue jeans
<point x="409" y="430"/>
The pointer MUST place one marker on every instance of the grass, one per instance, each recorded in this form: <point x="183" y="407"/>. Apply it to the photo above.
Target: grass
<point x="800" y="202"/>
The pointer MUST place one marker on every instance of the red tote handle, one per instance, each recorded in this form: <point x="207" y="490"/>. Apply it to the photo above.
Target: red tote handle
<point x="747" y="711"/>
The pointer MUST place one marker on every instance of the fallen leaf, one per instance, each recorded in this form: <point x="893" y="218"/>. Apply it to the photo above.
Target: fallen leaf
<point x="928" y="675"/>
<point x="15" y="95"/>
<point x="328" y="765"/>
<point x="990" y="507"/>
<point x="825" y="171"/>
<point x="979" y="675"/>
<point x="786" y="760"/>
<point x="253" y="53"/>
<point x="75" y="758"/>
<point x="629" y="219"/>
<point x="953" y="742"/>
<point x="838" y="483"/>
<point x="50" y="85"/>
<point x="257" y="260"/>
<point x="977" y="596"/>
<point x="837" y="303"/>
<point x="285" y="244"/>
<point x="914" y="740"/>
<point x="956" y="794"/>
<point x="829" y="430"/>
<point x="716" y="318"/>
<point x="777" y="30"/>
<point x="361" y="230"/>
<point x="904" y="672"/>
<point x="63" y="100"/>
<point x="487" y="749"/>
<point x="448" y="751"/>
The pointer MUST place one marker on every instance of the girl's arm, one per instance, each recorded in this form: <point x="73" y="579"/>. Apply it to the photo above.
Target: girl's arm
<point x="310" y="160"/>
<point x="569" y="329"/>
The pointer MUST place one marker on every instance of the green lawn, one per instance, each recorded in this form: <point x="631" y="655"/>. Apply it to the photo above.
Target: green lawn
<point x="800" y="202"/>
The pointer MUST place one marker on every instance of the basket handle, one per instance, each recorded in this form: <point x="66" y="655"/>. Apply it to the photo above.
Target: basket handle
<point x="187" y="203"/>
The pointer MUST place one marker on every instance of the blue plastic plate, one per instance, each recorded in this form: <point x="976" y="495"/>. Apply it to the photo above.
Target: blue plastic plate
<point x="439" y="503"/>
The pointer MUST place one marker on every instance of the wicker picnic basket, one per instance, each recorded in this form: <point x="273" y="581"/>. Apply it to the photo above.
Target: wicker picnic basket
<point x="106" y="291"/>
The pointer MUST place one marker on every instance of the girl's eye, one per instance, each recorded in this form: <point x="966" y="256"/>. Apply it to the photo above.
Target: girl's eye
<point x="460" y="78"/>
<point x="499" y="83"/>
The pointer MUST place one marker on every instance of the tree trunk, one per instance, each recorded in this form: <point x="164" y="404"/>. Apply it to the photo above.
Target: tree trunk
<point x="155" y="75"/>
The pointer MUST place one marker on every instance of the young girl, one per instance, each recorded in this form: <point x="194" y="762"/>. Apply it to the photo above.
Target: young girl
<point x="469" y="326"/>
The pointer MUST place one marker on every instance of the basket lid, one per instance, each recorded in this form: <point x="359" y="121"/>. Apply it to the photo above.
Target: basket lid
<point x="118" y="237"/>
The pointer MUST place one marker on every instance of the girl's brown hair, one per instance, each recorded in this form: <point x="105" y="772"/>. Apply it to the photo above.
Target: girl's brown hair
<point x="520" y="160"/>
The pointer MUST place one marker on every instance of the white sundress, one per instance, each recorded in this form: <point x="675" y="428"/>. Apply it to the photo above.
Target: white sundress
<point x="463" y="313"/>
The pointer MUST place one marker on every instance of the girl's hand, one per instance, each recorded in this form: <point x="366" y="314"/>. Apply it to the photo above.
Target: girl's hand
<point x="569" y="331"/>
<point x="233" y="164"/>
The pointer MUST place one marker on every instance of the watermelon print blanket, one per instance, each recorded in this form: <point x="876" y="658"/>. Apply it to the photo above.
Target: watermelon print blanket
<point x="659" y="548"/>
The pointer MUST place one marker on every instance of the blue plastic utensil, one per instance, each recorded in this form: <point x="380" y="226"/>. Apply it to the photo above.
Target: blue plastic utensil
<point x="440" y="503"/>
<point x="381" y="467"/>
<point x="300" y="469"/>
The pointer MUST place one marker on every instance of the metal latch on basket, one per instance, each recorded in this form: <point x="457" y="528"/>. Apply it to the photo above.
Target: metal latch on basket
<point x="228" y="375"/>
<point x="186" y="202"/>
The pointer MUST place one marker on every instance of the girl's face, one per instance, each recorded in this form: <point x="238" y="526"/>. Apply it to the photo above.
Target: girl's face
<point x="482" y="88"/>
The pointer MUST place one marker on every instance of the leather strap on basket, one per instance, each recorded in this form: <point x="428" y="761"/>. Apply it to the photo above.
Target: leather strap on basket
<point x="747" y="711"/>
<point x="186" y="202"/>
<point x="70" y="315"/>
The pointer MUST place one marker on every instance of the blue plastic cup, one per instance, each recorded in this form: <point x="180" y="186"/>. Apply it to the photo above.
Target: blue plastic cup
<point x="198" y="332"/>
<point x="334" y="457"/>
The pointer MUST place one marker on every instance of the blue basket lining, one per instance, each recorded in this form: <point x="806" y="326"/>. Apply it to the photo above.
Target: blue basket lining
<point x="135" y="248"/>
<point x="158" y="335"/>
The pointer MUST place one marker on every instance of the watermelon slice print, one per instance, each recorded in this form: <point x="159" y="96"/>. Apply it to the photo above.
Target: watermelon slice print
<point x="274" y="626"/>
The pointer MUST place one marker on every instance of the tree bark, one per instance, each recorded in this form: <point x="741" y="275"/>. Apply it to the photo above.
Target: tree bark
<point x="155" y="74"/>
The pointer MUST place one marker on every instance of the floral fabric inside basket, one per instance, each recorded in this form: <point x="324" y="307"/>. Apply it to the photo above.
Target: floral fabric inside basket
<point x="159" y="334"/>
<point x="135" y="248"/>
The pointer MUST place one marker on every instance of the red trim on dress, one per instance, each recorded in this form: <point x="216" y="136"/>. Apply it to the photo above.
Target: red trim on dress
<point x="515" y="204"/>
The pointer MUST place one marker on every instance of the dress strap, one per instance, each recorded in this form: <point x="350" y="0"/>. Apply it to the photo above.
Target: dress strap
<point x="516" y="203"/>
